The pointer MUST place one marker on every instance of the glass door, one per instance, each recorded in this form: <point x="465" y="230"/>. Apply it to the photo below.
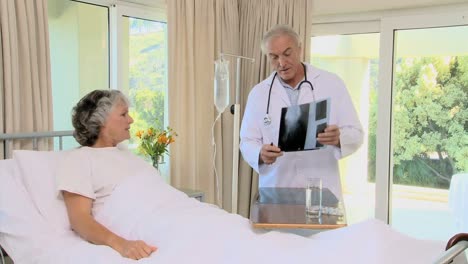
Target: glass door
<point x="355" y="59"/>
<point x="429" y="91"/>
<point x="142" y="71"/>
<point x="79" y="56"/>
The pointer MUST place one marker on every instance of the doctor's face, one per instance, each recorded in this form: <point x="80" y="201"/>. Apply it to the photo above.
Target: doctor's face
<point x="284" y="55"/>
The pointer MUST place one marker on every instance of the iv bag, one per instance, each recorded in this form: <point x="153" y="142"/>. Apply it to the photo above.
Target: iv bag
<point x="221" y="85"/>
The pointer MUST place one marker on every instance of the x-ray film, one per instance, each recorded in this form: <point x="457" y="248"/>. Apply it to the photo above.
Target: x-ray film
<point x="300" y="125"/>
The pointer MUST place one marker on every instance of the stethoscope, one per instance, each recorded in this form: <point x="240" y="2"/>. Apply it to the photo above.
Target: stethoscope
<point x="267" y="119"/>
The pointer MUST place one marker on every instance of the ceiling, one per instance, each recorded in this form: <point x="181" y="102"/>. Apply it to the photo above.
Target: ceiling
<point x="153" y="3"/>
<point x="325" y="7"/>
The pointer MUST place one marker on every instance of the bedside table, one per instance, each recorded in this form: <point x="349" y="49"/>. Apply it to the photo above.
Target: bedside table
<point x="199" y="195"/>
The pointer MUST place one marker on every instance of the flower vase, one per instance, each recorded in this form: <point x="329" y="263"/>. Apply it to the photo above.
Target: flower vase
<point x="156" y="161"/>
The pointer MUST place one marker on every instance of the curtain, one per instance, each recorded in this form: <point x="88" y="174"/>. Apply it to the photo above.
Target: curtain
<point x="26" y="93"/>
<point x="257" y="17"/>
<point x="227" y="41"/>
<point x="197" y="32"/>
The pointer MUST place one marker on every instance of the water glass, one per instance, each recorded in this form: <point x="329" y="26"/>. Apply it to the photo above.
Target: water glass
<point x="313" y="203"/>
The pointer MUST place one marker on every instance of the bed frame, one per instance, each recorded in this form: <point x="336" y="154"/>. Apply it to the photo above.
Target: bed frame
<point x="455" y="246"/>
<point x="8" y="139"/>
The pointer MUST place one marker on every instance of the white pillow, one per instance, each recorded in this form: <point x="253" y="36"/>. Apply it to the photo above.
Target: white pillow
<point x="37" y="174"/>
<point x="23" y="232"/>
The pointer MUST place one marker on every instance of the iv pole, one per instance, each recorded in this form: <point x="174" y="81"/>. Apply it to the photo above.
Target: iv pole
<point x="235" y="109"/>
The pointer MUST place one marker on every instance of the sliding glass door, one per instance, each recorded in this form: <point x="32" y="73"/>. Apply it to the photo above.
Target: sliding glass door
<point x="144" y="48"/>
<point x="95" y="45"/>
<point x="423" y="127"/>
<point x="409" y="84"/>
<point x="79" y="56"/>
<point x="429" y="120"/>
<point x="142" y="70"/>
<point x="355" y="58"/>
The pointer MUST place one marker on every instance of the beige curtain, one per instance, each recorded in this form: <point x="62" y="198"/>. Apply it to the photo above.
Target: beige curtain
<point x="227" y="41"/>
<point x="256" y="18"/>
<point x="197" y="32"/>
<point x="26" y="91"/>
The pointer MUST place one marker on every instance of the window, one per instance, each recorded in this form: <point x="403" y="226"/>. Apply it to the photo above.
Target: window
<point x="101" y="47"/>
<point x="355" y="59"/>
<point x="430" y="91"/>
<point x="417" y="121"/>
<point x="144" y="78"/>
<point x="79" y="56"/>
<point x="144" y="73"/>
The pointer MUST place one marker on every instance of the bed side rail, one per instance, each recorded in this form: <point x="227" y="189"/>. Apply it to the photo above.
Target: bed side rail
<point x="455" y="246"/>
<point x="8" y="138"/>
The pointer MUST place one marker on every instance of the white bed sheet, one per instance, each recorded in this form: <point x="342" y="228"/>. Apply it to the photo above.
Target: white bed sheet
<point x="187" y="231"/>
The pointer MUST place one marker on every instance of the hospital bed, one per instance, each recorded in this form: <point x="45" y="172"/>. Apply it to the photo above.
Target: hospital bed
<point x="26" y="236"/>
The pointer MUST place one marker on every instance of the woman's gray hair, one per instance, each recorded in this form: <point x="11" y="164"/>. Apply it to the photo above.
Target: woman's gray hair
<point x="280" y="30"/>
<point x="91" y="112"/>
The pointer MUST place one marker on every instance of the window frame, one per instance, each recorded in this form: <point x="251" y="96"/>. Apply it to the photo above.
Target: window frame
<point x="385" y="125"/>
<point x="117" y="10"/>
<point x="386" y="23"/>
<point x="116" y="13"/>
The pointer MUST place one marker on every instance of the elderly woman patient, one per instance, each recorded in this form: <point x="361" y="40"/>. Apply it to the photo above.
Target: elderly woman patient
<point x="115" y="198"/>
<point x="101" y="121"/>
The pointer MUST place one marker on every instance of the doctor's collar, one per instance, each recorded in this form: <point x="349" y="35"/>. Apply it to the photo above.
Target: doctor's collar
<point x="287" y="86"/>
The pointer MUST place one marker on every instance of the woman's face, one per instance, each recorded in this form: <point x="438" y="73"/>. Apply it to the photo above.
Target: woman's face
<point x="117" y="126"/>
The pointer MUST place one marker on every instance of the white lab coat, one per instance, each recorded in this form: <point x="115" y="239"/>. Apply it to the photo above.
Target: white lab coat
<point x="293" y="168"/>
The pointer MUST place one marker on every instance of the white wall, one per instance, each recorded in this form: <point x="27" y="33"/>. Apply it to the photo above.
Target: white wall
<point x="328" y="7"/>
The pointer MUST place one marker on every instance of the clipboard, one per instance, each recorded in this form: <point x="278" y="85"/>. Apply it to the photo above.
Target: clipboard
<point x="300" y="125"/>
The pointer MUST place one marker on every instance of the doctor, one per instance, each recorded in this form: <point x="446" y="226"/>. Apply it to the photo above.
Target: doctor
<point x="295" y="83"/>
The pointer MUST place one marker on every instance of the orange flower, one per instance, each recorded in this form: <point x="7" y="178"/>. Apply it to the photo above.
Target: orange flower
<point x="139" y="133"/>
<point x="155" y="143"/>
<point x="150" y="131"/>
<point x="162" y="139"/>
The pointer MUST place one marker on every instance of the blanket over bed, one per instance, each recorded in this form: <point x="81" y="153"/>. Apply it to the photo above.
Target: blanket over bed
<point x="188" y="231"/>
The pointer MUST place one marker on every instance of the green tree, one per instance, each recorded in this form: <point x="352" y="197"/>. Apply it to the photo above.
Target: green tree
<point x="430" y="140"/>
<point x="148" y="109"/>
<point x="147" y="73"/>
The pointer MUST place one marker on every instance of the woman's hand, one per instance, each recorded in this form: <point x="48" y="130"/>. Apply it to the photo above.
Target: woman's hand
<point x="134" y="249"/>
<point x="83" y="223"/>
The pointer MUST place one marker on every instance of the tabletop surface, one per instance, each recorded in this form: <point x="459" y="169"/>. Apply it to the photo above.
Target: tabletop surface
<point x="285" y="208"/>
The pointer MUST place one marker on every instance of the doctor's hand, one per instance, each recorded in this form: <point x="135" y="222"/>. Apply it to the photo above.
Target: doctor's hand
<point x="330" y="136"/>
<point x="269" y="153"/>
<point x="135" y="249"/>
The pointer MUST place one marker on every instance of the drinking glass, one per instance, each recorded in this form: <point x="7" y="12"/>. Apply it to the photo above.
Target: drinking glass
<point x="313" y="203"/>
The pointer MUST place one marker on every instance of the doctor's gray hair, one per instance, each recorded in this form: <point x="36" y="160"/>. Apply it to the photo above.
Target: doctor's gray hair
<point x="91" y="112"/>
<point x="280" y="30"/>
